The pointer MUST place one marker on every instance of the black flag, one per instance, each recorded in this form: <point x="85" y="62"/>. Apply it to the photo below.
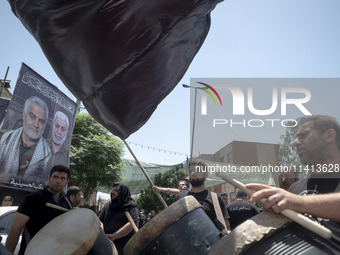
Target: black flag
<point x="122" y="57"/>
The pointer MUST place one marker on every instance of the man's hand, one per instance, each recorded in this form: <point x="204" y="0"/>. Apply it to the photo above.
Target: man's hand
<point x="275" y="198"/>
<point x="112" y="236"/>
<point x="156" y="189"/>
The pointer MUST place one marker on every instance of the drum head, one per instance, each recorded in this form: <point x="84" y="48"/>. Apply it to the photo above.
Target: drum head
<point x="250" y="231"/>
<point x="73" y="232"/>
<point x="159" y="224"/>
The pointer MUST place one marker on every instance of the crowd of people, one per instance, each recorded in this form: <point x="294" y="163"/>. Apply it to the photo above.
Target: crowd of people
<point x="317" y="142"/>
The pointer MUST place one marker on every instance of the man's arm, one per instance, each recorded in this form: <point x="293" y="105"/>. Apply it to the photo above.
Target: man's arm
<point x="323" y="205"/>
<point x="172" y="191"/>
<point x="123" y="231"/>
<point x="19" y="222"/>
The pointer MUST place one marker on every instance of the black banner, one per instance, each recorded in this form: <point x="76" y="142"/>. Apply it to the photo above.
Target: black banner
<point x="36" y="132"/>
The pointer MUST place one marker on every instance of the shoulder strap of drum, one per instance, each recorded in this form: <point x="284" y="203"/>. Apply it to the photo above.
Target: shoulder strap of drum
<point x="68" y="202"/>
<point x="27" y="236"/>
<point x="217" y="208"/>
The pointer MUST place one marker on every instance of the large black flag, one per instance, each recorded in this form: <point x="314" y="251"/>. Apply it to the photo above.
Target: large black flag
<point x="122" y="57"/>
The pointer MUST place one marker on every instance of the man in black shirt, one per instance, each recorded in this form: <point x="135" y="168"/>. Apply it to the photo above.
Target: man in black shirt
<point x="318" y="145"/>
<point x="33" y="214"/>
<point x="198" y="173"/>
<point x="240" y="210"/>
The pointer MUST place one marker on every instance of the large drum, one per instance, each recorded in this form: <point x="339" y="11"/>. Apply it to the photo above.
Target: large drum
<point x="76" y="232"/>
<point x="271" y="234"/>
<point x="182" y="228"/>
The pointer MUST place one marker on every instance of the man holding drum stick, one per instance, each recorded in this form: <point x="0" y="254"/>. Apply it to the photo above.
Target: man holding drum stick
<point x="33" y="214"/>
<point x="198" y="173"/>
<point x="113" y="218"/>
<point x="318" y="145"/>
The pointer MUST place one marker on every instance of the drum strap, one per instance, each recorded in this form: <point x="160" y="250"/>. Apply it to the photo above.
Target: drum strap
<point x="217" y="208"/>
<point x="27" y="236"/>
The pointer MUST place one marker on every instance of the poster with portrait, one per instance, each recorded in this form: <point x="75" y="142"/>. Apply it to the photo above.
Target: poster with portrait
<point x="36" y="132"/>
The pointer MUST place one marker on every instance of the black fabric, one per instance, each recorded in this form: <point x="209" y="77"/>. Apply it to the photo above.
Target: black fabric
<point x="113" y="215"/>
<point x="124" y="197"/>
<point x="34" y="206"/>
<point x="121" y="58"/>
<point x="205" y="199"/>
<point x="321" y="184"/>
<point x="240" y="211"/>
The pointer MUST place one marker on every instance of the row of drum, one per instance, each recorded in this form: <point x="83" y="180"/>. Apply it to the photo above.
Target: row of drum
<point x="181" y="228"/>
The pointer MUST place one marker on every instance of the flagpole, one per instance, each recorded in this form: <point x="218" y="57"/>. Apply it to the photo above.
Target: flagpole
<point x="4" y="82"/>
<point x="145" y="173"/>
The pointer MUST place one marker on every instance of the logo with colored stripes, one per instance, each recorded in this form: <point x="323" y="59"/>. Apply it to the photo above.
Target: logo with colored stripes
<point x="209" y="93"/>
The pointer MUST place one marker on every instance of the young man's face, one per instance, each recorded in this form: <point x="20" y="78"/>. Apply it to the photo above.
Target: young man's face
<point x="34" y="121"/>
<point x="57" y="181"/>
<point x="182" y="186"/>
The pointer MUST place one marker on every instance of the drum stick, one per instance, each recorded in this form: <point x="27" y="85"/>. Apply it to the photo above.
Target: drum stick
<point x="128" y="216"/>
<point x="57" y="207"/>
<point x="297" y="217"/>
<point x="145" y="173"/>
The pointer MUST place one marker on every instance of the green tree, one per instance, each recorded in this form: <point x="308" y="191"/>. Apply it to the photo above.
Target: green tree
<point x="148" y="199"/>
<point x="95" y="156"/>
<point x="287" y="151"/>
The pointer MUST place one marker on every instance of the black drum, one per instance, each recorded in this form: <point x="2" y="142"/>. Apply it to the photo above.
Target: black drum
<point x="272" y="234"/>
<point x="182" y="228"/>
<point x="76" y="232"/>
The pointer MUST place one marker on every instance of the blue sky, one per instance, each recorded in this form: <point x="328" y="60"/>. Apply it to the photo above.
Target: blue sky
<point x="247" y="39"/>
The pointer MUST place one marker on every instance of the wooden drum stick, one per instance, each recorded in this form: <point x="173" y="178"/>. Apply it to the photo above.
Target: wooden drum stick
<point x="297" y="217"/>
<point x="128" y="216"/>
<point x="57" y="207"/>
<point x="146" y="175"/>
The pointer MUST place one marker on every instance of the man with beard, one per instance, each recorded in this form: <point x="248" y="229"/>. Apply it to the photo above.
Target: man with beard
<point x="113" y="219"/>
<point x="287" y="178"/>
<point x="198" y="173"/>
<point x="33" y="214"/>
<point x="60" y="127"/>
<point x="318" y="146"/>
<point x="24" y="153"/>
<point x="75" y="195"/>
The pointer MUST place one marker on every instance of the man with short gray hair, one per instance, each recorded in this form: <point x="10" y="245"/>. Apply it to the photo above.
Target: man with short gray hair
<point x="24" y="153"/>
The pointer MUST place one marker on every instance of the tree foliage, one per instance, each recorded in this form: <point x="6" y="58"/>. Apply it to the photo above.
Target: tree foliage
<point x="287" y="151"/>
<point x="148" y="199"/>
<point x="95" y="156"/>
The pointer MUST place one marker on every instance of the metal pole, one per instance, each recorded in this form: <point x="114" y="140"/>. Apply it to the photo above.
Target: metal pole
<point x="78" y="105"/>
<point x="193" y="126"/>
<point x="4" y="82"/>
